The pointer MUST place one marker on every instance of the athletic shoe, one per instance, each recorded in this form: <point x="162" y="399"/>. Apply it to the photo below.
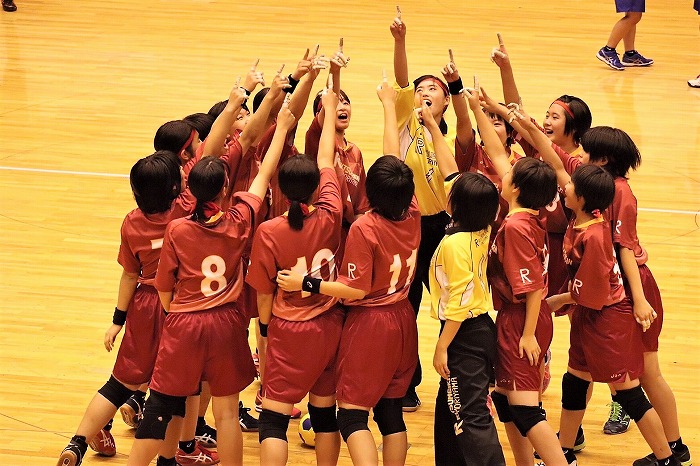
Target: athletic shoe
<point x="682" y="456"/>
<point x="579" y="444"/>
<point x="72" y="455"/>
<point x="103" y="443"/>
<point x="9" y="5"/>
<point x="205" y="435"/>
<point x="547" y="373"/>
<point x="248" y="423"/>
<point x="200" y="456"/>
<point x="410" y="402"/>
<point x="610" y="58"/>
<point x="570" y="458"/>
<point x="694" y="82"/>
<point x="618" y="421"/>
<point x="132" y="411"/>
<point x="636" y="59"/>
<point x="296" y="412"/>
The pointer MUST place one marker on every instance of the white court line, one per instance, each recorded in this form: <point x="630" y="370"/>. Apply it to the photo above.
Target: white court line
<point x="117" y="175"/>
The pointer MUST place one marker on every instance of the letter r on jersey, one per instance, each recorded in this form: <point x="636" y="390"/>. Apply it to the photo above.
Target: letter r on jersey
<point x="524" y="275"/>
<point x="351" y="269"/>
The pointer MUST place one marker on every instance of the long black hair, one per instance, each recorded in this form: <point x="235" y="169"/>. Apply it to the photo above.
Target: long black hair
<point x="155" y="181"/>
<point x="206" y="180"/>
<point x="298" y="179"/>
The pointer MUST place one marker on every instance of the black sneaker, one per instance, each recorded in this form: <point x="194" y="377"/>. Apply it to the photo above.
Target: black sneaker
<point x="132" y="411"/>
<point x="682" y="456"/>
<point x="73" y="454"/>
<point x="9" y="5"/>
<point x="618" y="421"/>
<point x="410" y="402"/>
<point x="248" y="423"/>
<point x="205" y="435"/>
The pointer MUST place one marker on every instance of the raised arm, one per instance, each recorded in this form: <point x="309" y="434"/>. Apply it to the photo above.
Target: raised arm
<point x="222" y="124"/>
<point x="446" y="162"/>
<point x="285" y="121"/>
<point x="337" y="62"/>
<point x="398" y="31"/>
<point x="257" y="125"/>
<point x="306" y="73"/>
<point x="492" y="144"/>
<point x="465" y="133"/>
<point x="387" y="95"/>
<point x="501" y="58"/>
<point x="326" y="146"/>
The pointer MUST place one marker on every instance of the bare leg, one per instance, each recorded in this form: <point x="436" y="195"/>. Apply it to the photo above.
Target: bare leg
<point x="328" y="443"/>
<point x="541" y="435"/>
<point x="626" y="29"/>
<point x="229" y="436"/>
<point x="660" y="395"/>
<point x="394" y="450"/>
<point x="189" y="426"/>
<point x="361" y="444"/>
<point x="275" y="451"/>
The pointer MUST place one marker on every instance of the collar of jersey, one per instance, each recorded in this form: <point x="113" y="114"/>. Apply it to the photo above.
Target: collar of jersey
<point x="589" y="223"/>
<point x="311" y="209"/>
<point x="523" y="209"/>
<point x="214" y="218"/>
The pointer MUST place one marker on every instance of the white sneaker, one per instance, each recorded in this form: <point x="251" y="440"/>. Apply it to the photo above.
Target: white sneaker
<point x="694" y="82"/>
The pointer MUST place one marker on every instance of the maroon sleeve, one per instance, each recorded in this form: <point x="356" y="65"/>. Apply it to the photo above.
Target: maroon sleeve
<point x="329" y="192"/>
<point x="623" y="217"/>
<point x="361" y="203"/>
<point x="262" y="271"/>
<point x="126" y="257"/>
<point x="465" y="157"/>
<point x="358" y="261"/>
<point x="313" y="136"/>
<point x="521" y="261"/>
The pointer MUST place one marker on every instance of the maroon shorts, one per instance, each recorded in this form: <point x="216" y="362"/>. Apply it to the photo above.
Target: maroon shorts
<point x="142" y="331"/>
<point x="512" y="371"/>
<point x="378" y="353"/>
<point x="650" y="338"/>
<point x="301" y="356"/>
<point x="606" y="343"/>
<point x="557" y="271"/>
<point x="206" y="345"/>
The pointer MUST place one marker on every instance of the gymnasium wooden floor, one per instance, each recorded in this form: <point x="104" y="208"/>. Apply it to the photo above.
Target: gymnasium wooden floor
<point x="84" y="85"/>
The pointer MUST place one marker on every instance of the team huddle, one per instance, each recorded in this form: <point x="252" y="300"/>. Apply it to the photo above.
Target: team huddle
<point x="233" y="223"/>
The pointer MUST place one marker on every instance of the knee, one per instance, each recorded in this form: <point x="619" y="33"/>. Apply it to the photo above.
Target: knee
<point x="388" y="414"/>
<point x="351" y="421"/>
<point x="323" y="420"/>
<point x="115" y="392"/>
<point x="158" y="412"/>
<point x="500" y="402"/>
<point x="573" y="392"/>
<point x="527" y="417"/>
<point x="272" y="425"/>
<point x="634" y="402"/>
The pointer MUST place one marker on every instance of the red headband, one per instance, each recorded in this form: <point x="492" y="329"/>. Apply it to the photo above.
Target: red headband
<point x="437" y="81"/>
<point x="566" y="107"/>
<point x="189" y="141"/>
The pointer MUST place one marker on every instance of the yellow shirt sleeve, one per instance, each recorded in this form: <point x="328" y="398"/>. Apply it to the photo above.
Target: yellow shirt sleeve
<point x="404" y="104"/>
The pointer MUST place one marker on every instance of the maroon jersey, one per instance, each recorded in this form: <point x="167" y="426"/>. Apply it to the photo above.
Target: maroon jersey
<point x="596" y="281"/>
<point x="142" y="237"/>
<point x="622" y="215"/>
<point x="349" y="168"/>
<point x="202" y="263"/>
<point x="380" y="257"/>
<point x="278" y="203"/>
<point x="518" y="258"/>
<point x="313" y="253"/>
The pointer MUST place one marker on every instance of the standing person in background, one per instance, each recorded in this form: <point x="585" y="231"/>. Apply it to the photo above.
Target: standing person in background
<point x="695" y="82"/>
<point x="625" y="30"/>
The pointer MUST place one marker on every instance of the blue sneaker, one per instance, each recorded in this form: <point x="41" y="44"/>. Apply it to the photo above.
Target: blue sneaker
<point x="610" y="58"/>
<point x="635" y="59"/>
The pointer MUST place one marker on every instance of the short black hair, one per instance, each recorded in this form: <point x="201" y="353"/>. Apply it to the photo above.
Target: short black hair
<point x="614" y="146"/>
<point x="298" y="179"/>
<point x="202" y="122"/>
<point x="172" y="136"/>
<point x="155" y="181"/>
<point x="390" y="187"/>
<point x="259" y="96"/>
<point x="474" y="202"/>
<point x="219" y="107"/>
<point x="206" y="179"/>
<point x="595" y="185"/>
<point x="582" y="119"/>
<point x="317" y="100"/>
<point x="537" y="182"/>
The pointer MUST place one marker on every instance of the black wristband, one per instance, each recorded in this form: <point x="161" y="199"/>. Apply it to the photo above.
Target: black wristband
<point x="119" y="317"/>
<point x="263" y="329"/>
<point x="245" y="91"/>
<point x="455" y="87"/>
<point x="292" y="83"/>
<point x="311" y="284"/>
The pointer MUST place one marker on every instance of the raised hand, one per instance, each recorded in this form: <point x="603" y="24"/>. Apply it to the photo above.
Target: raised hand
<point x="385" y="92"/>
<point x="254" y="77"/>
<point x="450" y="71"/>
<point x="339" y="60"/>
<point x="398" y="27"/>
<point x="499" y="55"/>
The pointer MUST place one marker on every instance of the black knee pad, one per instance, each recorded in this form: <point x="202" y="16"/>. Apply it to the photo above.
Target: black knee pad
<point x="272" y="425"/>
<point x="634" y="401"/>
<point x="526" y="417"/>
<point x="388" y="414"/>
<point x="500" y="402"/>
<point x="323" y="419"/>
<point x="115" y="392"/>
<point x="573" y="392"/>
<point x="351" y="421"/>
<point x="157" y="413"/>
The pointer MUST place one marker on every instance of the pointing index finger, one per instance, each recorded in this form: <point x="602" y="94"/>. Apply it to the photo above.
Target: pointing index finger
<point x="398" y="12"/>
<point x="316" y="51"/>
<point x="500" y="38"/>
<point x="452" y="57"/>
<point x="279" y="72"/>
<point x="255" y="65"/>
<point x="384" y="75"/>
<point x="340" y="46"/>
